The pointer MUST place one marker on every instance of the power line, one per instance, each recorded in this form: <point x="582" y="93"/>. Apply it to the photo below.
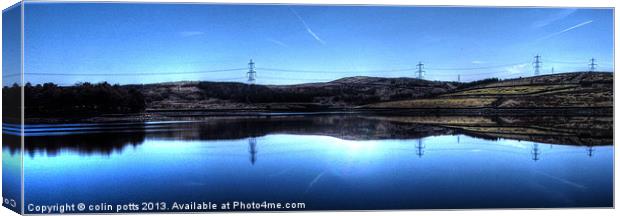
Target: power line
<point x="483" y="73"/>
<point x="231" y="79"/>
<point x="251" y="71"/>
<point x="477" y="68"/>
<point x="284" y="78"/>
<point x="563" y="62"/>
<point x="135" y="74"/>
<point x="334" y="71"/>
<point x="11" y="75"/>
<point x="402" y="69"/>
<point x="577" y="62"/>
<point x="494" y="73"/>
<point x="227" y="79"/>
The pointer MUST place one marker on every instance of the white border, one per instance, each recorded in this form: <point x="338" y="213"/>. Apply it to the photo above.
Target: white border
<point x="538" y="3"/>
<point x="505" y="3"/>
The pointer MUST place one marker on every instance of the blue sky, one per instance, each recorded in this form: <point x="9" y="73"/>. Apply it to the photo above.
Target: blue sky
<point x="11" y="45"/>
<point x="145" y="43"/>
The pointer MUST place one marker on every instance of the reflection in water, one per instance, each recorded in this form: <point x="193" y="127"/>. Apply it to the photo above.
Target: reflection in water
<point x="329" y="162"/>
<point x="87" y="144"/>
<point x="11" y="172"/>
<point x="419" y="148"/>
<point x="590" y="150"/>
<point x="105" y="139"/>
<point x="535" y="152"/>
<point x="252" y="143"/>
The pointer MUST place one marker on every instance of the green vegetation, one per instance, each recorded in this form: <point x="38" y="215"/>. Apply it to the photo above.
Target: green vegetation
<point x="511" y="90"/>
<point x="479" y="83"/>
<point x="436" y="103"/>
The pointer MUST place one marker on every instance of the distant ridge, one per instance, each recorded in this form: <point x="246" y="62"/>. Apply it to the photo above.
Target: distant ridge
<point x="590" y="89"/>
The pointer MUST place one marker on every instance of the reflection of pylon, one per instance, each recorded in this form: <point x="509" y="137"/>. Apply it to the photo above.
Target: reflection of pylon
<point x="419" y="148"/>
<point x="535" y="152"/>
<point x="590" y="151"/>
<point x="252" y="143"/>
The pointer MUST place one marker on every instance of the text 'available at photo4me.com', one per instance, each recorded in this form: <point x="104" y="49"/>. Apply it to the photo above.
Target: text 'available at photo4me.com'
<point x="61" y="208"/>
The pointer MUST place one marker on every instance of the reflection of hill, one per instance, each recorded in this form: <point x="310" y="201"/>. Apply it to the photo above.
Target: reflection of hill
<point x="107" y="139"/>
<point x="345" y="127"/>
<point x="569" y="130"/>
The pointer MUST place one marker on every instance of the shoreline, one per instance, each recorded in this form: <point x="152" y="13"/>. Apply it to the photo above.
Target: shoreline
<point x="484" y="111"/>
<point x="171" y="115"/>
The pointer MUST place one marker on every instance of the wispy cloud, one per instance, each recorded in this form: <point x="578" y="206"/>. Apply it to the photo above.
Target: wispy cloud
<point x="190" y="33"/>
<point x="565" y="30"/>
<point x="517" y="69"/>
<point x="277" y="42"/>
<point x="308" y="29"/>
<point x="478" y="62"/>
<point x="555" y="17"/>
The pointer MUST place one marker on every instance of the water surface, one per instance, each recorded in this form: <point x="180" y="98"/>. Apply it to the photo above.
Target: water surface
<point x="326" y="162"/>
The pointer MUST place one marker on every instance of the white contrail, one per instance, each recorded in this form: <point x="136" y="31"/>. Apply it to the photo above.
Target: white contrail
<point x="576" y="26"/>
<point x="190" y="33"/>
<point x="565" y="30"/>
<point x="308" y="29"/>
<point x="280" y="43"/>
<point x="558" y="16"/>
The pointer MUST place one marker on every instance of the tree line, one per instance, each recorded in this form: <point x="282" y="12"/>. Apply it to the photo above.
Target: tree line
<point x="241" y="92"/>
<point x="49" y="99"/>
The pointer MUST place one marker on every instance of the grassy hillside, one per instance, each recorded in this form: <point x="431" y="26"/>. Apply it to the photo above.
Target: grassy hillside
<point x="540" y="95"/>
<point x="548" y="91"/>
<point x="341" y="93"/>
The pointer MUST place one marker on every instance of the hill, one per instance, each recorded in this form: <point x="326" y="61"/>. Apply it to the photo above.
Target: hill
<point x="568" y="90"/>
<point x="541" y="95"/>
<point x="342" y="93"/>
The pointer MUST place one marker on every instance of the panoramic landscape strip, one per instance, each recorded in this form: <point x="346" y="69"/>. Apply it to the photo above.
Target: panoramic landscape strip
<point x="583" y="93"/>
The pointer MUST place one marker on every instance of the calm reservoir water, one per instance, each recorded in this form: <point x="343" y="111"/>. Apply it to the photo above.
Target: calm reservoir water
<point x="325" y="162"/>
